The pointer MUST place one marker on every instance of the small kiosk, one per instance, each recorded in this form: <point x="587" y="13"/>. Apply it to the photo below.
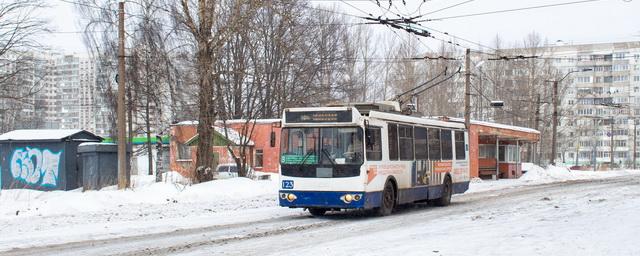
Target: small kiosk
<point x="495" y="149"/>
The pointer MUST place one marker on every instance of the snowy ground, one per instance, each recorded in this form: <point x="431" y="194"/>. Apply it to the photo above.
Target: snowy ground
<point x="552" y="211"/>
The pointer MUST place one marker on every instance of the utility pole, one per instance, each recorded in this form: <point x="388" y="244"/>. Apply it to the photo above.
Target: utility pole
<point x="555" y="112"/>
<point x="479" y="109"/>
<point x="611" y="153"/>
<point x="594" y="150"/>
<point x="467" y="85"/>
<point x="536" y="125"/>
<point x="635" y="133"/>
<point x="123" y="177"/>
<point x="555" y="122"/>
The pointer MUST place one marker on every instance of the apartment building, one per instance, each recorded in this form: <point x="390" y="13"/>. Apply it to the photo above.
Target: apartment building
<point x="601" y="104"/>
<point x="55" y="91"/>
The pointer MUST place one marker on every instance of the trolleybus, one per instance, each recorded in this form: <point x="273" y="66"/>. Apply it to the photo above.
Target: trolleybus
<point x="369" y="156"/>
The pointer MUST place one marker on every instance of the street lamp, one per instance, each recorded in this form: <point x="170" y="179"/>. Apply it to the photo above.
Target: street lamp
<point x="555" y="112"/>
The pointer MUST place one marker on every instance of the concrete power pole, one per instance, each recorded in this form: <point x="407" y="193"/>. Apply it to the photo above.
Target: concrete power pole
<point x="611" y="153"/>
<point x="536" y="125"/>
<point x="123" y="177"/>
<point x="467" y="85"/>
<point x="555" y="123"/>
<point x="635" y="133"/>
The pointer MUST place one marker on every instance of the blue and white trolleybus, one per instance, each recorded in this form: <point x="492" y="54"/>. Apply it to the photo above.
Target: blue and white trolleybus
<point x="369" y="156"/>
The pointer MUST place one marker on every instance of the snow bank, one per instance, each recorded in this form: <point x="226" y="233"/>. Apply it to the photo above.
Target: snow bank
<point x="536" y="175"/>
<point x="175" y="177"/>
<point x="25" y="202"/>
<point x="553" y="173"/>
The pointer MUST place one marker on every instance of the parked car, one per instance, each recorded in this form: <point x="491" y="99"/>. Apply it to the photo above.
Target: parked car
<point x="226" y="171"/>
<point x="230" y="170"/>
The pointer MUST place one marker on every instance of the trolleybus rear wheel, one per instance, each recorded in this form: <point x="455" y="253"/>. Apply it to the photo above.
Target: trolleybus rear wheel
<point x="447" y="190"/>
<point x="388" y="200"/>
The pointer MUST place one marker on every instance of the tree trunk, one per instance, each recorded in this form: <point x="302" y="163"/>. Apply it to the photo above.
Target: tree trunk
<point x="204" y="156"/>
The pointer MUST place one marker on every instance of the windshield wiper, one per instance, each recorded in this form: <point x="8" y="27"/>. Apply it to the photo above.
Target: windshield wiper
<point x="326" y="152"/>
<point x="304" y="159"/>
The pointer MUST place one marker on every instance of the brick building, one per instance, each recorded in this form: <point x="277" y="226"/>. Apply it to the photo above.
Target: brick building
<point x="260" y="139"/>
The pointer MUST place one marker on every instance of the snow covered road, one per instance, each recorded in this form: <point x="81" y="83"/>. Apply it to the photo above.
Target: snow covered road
<point x="583" y="217"/>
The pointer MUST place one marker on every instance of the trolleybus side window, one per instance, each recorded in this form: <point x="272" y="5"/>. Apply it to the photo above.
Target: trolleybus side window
<point x="420" y="134"/>
<point x="374" y="143"/>
<point x="447" y="147"/>
<point x="406" y="142"/>
<point x="460" y="150"/>
<point x="433" y="136"/>
<point x="393" y="141"/>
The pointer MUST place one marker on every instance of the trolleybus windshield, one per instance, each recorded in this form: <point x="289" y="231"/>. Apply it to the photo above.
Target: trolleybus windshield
<point x="322" y="152"/>
<point x="334" y="145"/>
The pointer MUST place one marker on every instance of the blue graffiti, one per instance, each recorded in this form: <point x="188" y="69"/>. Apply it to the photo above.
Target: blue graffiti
<point x="34" y="166"/>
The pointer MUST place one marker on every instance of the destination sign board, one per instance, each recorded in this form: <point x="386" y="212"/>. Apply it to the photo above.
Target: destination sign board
<point x="343" y="116"/>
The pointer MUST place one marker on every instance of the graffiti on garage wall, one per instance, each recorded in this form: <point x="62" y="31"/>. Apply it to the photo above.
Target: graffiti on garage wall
<point x="35" y="167"/>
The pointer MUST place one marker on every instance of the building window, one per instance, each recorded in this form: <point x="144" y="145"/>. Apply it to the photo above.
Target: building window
<point x="184" y="152"/>
<point x="259" y="158"/>
<point x="487" y="151"/>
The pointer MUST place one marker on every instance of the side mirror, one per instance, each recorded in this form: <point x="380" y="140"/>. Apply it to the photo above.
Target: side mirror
<point x="272" y="141"/>
<point x="370" y="138"/>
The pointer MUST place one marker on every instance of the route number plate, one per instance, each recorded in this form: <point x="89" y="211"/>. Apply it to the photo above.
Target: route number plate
<point x="287" y="184"/>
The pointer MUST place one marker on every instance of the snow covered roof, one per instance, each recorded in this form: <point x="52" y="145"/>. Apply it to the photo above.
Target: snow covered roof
<point x="44" y="134"/>
<point x="187" y="123"/>
<point x="242" y="121"/>
<point x="495" y="125"/>
<point x="233" y="121"/>
<point x="233" y="136"/>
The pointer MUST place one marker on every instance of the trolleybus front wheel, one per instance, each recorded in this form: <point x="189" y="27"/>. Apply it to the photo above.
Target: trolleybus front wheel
<point x="317" y="211"/>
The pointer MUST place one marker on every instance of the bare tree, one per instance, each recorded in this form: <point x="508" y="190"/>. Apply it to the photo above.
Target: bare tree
<point x="21" y="71"/>
<point x="210" y="24"/>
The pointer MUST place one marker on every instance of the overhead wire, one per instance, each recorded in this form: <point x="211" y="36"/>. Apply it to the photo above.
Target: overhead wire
<point x="402" y="17"/>
<point x="457" y="37"/>
<point x="445" y="8"/>
<point x="508" y="10"/>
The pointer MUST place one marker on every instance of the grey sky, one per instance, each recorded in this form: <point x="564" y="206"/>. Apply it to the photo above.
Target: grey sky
<point x="600" y="21"/>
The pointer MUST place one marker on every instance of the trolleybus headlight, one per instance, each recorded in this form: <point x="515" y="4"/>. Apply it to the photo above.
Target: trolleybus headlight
<point x="347" y="198"/>
<point x="283" y="196"/>
<point x="291" y="197"/>
<point x="357" y="197"/>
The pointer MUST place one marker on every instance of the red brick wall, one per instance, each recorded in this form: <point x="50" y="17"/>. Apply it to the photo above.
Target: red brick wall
<point x="261" y="136"/>
<point x="181" y="134"/>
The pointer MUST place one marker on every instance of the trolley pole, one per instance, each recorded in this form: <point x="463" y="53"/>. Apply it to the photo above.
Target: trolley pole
<point x="123" y="178"/>
<point x="467" y="84"/>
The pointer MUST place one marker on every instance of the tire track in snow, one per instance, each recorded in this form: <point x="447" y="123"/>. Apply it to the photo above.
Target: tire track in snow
<point x="260" y="237"/>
